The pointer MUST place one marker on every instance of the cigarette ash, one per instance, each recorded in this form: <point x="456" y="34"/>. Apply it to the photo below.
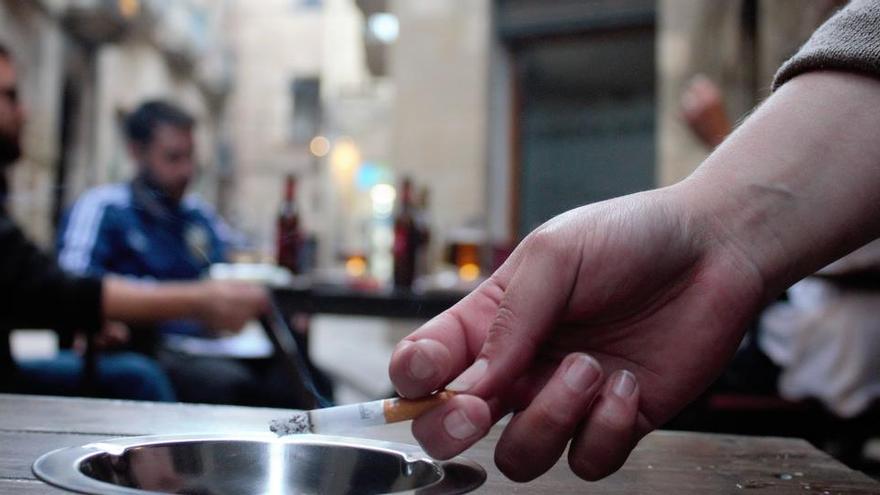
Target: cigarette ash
<point x="294" y="425"/>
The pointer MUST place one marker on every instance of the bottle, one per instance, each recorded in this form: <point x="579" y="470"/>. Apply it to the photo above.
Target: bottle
<point x="405" y="239"/>
<point x="423" y="228"/>
<point x="289" y="237"/>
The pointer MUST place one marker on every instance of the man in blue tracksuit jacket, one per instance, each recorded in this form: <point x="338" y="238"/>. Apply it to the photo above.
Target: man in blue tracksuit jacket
<point x="150" y="229"/>
<point x="134" y="229"/>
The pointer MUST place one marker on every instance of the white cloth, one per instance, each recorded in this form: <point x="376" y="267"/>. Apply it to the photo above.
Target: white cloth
<point x="250" y="343"/>
<point x="827" y="342"/>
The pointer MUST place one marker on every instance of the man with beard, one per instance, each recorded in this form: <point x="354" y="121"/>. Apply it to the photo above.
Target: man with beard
<point x="150" y="228"/>
<point x="35" y="293"/>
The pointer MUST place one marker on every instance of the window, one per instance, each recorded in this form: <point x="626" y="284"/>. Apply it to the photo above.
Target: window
<point x="306" y="121"/>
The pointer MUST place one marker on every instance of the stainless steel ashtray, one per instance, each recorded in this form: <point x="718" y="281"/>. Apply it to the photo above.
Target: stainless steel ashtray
<point x="223" y="464"/>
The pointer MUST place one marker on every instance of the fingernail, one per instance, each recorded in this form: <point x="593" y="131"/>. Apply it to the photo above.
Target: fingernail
<point x="624" y="384"/>
<point x="420" y="366"/>
<point x="581" y="373"/>
<point x="470" y="376"/>
<point x="458" y="426"/>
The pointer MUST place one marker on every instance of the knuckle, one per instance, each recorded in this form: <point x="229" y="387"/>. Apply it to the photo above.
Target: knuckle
<point x="504" y="333"/>
<point x="559" y="418"/>
<point x="543" y="240"/>
<point x="548" y="241"/>
<point x="613" y="420"/>
<point x="504" y="323"/>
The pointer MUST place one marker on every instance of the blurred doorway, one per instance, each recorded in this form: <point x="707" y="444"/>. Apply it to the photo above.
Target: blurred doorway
<point x="583" y="116"/>
<point x="75" y="161"/>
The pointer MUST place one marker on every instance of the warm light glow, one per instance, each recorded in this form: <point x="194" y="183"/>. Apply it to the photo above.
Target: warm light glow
<point x="129" y="8"/>
<point x="345" y="158"/>
<point x="469" y="272"/>
<point x="319" y="146"/>
<point x="356" y="266"/>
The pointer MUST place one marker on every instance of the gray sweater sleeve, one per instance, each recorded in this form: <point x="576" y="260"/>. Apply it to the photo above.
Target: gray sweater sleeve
<point x="849" y="41"/>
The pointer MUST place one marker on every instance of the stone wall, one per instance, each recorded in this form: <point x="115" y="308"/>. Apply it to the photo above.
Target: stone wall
<point x="440" y="68"/>
<point x="37" y="45"/>
<point x="714" y="38"/>
<point x="106" y="81"/>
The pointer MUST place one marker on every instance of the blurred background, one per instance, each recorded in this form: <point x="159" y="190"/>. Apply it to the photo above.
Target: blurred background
<point x="492" y="105"/>
<point x="408" y="144"/>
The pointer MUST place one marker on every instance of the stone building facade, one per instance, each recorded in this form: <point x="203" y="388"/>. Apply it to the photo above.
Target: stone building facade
<point x="83" y="65"/>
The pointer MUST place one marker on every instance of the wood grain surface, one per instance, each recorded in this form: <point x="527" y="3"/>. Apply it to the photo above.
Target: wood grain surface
<point x="664" y="462"/>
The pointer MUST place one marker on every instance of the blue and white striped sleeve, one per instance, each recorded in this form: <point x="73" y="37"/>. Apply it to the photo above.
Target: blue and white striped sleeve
<point x="80" y="237"/>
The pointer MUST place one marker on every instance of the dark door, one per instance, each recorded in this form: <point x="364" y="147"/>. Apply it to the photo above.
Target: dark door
<point x="584" y="120"/>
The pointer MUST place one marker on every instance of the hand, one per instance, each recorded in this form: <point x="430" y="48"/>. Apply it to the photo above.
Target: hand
<point x="601" y="326"/>
<point x="113" y="334"/>
<point x="702" y="108"/>
<point x="229" y="305"/>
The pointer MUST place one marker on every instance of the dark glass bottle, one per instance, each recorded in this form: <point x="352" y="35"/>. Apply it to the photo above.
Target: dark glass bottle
<point x="423" y="228"/>
<point x="289" y="237"/>
<point x="406" y="239"/>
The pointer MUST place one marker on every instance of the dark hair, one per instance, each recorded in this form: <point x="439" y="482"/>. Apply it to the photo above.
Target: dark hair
<point x="141" y="124"/>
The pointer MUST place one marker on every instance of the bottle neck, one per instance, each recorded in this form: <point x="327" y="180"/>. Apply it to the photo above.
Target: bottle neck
<point x="406" y="197"/>
<point x="289" y="199"/>
<point x="289" y="190"/>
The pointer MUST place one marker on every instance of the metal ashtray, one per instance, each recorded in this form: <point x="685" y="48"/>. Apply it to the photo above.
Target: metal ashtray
<point x="223" y="464"/>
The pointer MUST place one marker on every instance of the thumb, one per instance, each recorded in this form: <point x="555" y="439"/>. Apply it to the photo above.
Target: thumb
<point x="532" y="301"/>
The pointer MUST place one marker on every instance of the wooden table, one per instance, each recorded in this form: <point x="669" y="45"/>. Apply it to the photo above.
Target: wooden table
<point x="665" y="462"/>
<point x="333" y="299"/>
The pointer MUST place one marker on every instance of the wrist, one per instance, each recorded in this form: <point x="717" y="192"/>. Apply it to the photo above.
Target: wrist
<point x="795" y="187"/>
<point x="196" y="298"/>
<point x="736" y="221"/>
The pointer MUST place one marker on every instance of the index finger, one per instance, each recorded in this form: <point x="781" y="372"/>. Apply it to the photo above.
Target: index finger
<point x="443" y="347"/>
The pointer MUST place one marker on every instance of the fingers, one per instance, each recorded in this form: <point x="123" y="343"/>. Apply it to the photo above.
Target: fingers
<point x="544" y="428"/>
<point x="257" y="296"/>
<point x="432" y="355"/>
<point x="442" y="348"/>
<point x="419" y="367"/>
<point x="536" y="295"/>
<point x="234" y="303"/>
<point x="501" y="325"/>
<point x="609" y="433"/>
<point x="447" y="430"/>
<point x="116" y="333"/>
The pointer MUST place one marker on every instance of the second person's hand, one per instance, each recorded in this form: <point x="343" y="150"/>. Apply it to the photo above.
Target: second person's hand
<point x="229" y="305"/>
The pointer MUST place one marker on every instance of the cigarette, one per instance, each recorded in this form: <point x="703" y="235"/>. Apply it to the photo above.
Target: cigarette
<point x="344" y="418"/>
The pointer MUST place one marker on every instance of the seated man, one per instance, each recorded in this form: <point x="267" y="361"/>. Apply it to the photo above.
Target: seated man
<point x="148" y="228"/>
<point x="35" y="293"/>
<point x="116" y="375"/>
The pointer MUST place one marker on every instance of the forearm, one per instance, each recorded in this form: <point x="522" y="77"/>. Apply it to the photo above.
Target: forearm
<point x="797" y="185"/>
<point x="130" y="301"/>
